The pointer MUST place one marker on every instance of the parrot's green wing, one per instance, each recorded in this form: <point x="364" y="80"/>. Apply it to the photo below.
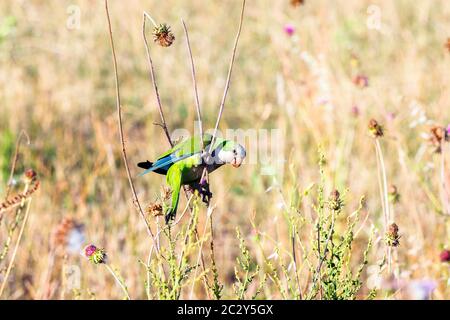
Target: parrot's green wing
<point x="174" y="181"/>
<point x="181" y="151"/>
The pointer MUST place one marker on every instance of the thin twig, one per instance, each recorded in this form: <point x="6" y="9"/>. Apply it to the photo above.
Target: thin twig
<point x="119" y="118"/>
<point x="153" y="78"/>
<point x="230" y="69"/>
<point x="202" y="240"/>
<point x="22" y="134"/>
<point x="194" y="80"/>
<point x="11" y="262"/>
<point x="119" y="281"/>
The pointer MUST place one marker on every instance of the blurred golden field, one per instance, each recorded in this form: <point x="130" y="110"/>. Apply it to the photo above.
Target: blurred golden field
<point x="57" y="84"/>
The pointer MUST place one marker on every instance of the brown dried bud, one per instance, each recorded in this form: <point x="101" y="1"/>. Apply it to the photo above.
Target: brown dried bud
<point x="163" y="35"/>
<point x="375" y="128"/>
<point x="30" y="174"/>
<point x="392" y="236"/>
<point x="155" y="209"/>
<point x="166" y="193"/>
<point x="334" y="201"/>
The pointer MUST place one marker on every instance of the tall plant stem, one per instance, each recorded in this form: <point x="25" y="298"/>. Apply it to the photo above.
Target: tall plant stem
<point x="119" y="281"/>
<point x="121" y="134"/>
<point x="22" y="228"/>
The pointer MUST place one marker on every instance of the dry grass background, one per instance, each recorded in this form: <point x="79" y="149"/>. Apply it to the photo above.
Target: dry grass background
<point x="58" y="85"/>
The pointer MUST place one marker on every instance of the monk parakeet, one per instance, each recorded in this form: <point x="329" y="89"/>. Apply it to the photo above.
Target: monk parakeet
<point x="185" y="162"/>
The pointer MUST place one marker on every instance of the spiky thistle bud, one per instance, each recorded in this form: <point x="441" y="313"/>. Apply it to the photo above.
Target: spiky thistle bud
<point x="392" y="236"/>
<point x="334" y="201"/>
<point x="95" y="255"/>
<point x="394" y="196"/>
<point x="163" y="35"/>
<point x="375" y="128"/>
<point x="30" y="175"/>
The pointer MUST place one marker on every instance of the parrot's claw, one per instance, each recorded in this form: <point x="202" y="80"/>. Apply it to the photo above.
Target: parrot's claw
<point x="170" y="215"/>
<point x="203" y="191"/>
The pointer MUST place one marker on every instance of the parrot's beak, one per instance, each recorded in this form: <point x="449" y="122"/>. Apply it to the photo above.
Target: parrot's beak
<point x="236" y="162"/>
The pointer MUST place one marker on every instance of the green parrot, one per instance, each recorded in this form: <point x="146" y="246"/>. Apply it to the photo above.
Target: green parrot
<point x="185" y="162"/>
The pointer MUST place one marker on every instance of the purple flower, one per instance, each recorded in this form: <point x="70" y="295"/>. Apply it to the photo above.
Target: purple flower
<point x="289" y="29"/>
<point x="90" y="250"/>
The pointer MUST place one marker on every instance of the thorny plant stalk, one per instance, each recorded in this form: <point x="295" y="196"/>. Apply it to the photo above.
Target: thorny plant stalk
<point x="22" y="228"/>
<point x="163" y="123"/>
<point x="387" y="217"/>
<point x="119" y="281"/>
<point x="121" y="134"/>
<point x="153" y="78"/>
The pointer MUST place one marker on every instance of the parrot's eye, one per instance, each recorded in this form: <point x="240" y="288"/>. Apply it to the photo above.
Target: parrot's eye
<point x="234" y="151"/>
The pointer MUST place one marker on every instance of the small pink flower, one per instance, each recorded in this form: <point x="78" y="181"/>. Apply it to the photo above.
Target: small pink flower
<point x="445" y="256"/>
<point x="90" y="250"/>
<point x="289" y="29"/>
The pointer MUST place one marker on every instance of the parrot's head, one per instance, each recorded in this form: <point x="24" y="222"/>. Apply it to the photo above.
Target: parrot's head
<point x="232" y="152"/>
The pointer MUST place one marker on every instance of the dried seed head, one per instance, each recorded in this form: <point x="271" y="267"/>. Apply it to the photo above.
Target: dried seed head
<point x="444" y="256"/>
<point x="30" y="175"/>
<point x="447" y="44"/>
<point x="392" y="237"/>
<point x="375" y="128"/>
<point x="95" y="255"/>
<point x="166" y="193"/>
<point x="155" y="209"/>
<point x="394" y="196"/>
<point x="297" y="3"/>
<point x="334" y="201"/>
<point x="163" y="35"/>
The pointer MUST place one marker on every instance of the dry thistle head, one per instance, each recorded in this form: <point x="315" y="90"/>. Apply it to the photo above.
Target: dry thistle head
<point x="163" y="35"/>
<point x="155" y="209"/>
<point x="375" y="128"/>
<point x="166" y="193"/>
<point x="296" y="3"/>
<point x="334" y="201"/>
<point x="30" y="175"/>
<point x="95" y="255"/>
<point x="394" y="196"/>
<point x="392" y="236"/>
